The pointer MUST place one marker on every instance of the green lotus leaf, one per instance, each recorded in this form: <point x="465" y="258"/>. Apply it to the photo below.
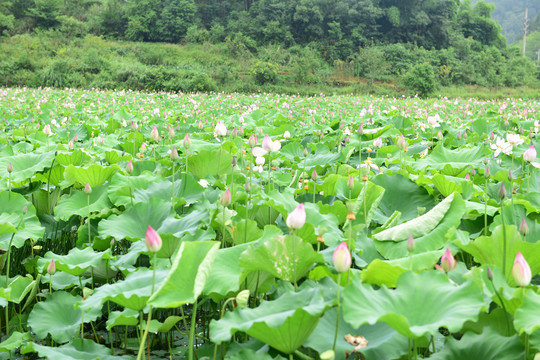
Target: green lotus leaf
<point x="25" y="165"/>
<point x="455" y="160"/>
<point x="383" y="341"/>
<point x="119" y="186"/>
<point x="94" y="175"/>
<point x="75" y="157"/>
<point x="527" y="318"/>
<point x="62" y="280"/>
<point x="18" y="288"/>
<point x="81" y="349"/>
<point x="131" y="293"/>
<point x="188" y="275"/>
<point x="191" y="192"/>
<point x="284" y="323"/>
<point x="204" y="163"/>
<point x="77" y="204"/>
<point x="373" y="197"/>
<point x="77" y="261"/>
<point x="488" y="250"/>
<point x="421" y="303"/>
<point x="286" y="257"/>
<point x="486" y="346"/>
<point x="14" y="341"/>
<point x="58" y="317"/>
<point x="251" y="354"/>
<point x="395" y="186"/>
<point x="226" y="272"/>
<point x="322" y="157"/>
<point x="11" y="208"/>
<point x="246" y="231"/>
<point x="429" y="230"/>
<point x="127" y="317"/>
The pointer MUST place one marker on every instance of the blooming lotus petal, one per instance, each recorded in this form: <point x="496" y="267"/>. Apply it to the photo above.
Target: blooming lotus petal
<point x="258" y="151"/>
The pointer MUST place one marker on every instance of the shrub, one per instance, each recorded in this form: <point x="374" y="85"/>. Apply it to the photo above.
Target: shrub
<point x="264" y="72"/>
<point x="420" y="79"/>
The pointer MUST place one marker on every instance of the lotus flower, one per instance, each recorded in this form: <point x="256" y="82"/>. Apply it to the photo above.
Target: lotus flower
<point x="377" y="142"/>
<point x="286" y="134"/>
<point x="501" y="146"/>
<point x="297" y="217"/>
<point x="342" y="258"/>
<point x="530" y="154"/>
<point x="220" y="129"/>
<point x="153" y="240"/>
<point x="521" y="271"/>
<point x="448" y="263"/>
<point x="47" y="130"/>
<point x="154" y="134"/>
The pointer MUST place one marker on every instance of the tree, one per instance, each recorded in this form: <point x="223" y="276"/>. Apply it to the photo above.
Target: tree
<point x="177" y="16"/>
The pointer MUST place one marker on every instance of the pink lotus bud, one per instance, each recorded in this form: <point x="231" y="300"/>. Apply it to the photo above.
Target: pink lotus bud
<point x="440" y="135"/>
<point x="174" y="154"/>
<point x="523" y="228"/>
<point x="234" y="133"/>
<point x="25" y="209"/>
<point x="47" y="130"/>
<point x="360" y="130"/>
<point x="487" y="173"/>
<point x="306" y="153"/>
<point x="267" y="143"/>
<point x="314" y="174"/>
<point x="134" y="125"/>
<point x="448" y="263"/>
<point x="410" y="244"/>
<point x="350" y="183"/>
<point x="200" y="125"/>
<point x="252" y="140"/>
<point x="225" y="198"/>
<point x="377" y="142"/>
<point x="502" y="191"/>
<point x="87" y="189"/>
<point x="171" y="132"/>
<point x="342" y="258"/>
<point x="153" y="240"/>
<point x="101" y="140"/>
<point x="489" y="273"/>
<point x="521" y="271"/>
<point x="220" y="129"/>
<point x="467" y="176"/>
<point x="154" y="134"/>
<point x="187" y="142"/>
<point x="401" y="143"/>
<point x="458" y="136"/>
<point x="75" y="138"/>
<point x="129" y="167"/>
<point x="10" y="168"/>
<point x="530" y="154"/>
<point x="51" y="269"/>
<point x="297" y="217"/>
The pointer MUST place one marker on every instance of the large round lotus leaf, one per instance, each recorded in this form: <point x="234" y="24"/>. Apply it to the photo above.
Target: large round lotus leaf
<point x="79" y="204"/>
<point x="226" y="272"/>
<point x="429" y="230"/>
<point x="58" y="317"/>
<point x="79" y="349"/>
<point x="395" y="186"/>
<point x="77" y="261"/>
<point x="25" y="165"/>
<point x="11" y="216"/>
<point x="456" y="160"/>
<point x="421" y="303"/>
<point x="486" y="346"/>
<point x="284" y="323"/>
<point x="14" y="341"/>
<point x="383" y="341"/>
<point x="527" y="317"/>
<point x="94" y="175"/>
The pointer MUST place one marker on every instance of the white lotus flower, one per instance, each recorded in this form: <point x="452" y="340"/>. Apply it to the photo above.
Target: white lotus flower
<point x="514" y="139"/>
<point x="501" y="146"/>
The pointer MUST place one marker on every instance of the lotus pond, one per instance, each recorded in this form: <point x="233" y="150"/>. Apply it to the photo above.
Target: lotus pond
<point x="212" y="226"/>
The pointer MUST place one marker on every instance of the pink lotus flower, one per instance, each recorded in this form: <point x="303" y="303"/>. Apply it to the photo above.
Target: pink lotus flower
<point x="377" y="142"/>
<point x="448" y="263"/>
<point x="521" y="271"/>
<point x="47" y="130"/>
<point x="297" y="218"/>
<point x="530" y="154"/>
<point x="153" y="240"/>
<point x="342" y="258"/>
<point x="225" y="199"/>
<point x="401" y="143"/>
<point x="154" y="134"/>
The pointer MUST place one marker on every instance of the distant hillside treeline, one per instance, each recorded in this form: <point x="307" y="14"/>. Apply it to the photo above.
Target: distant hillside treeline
<point x="414" y="44"/>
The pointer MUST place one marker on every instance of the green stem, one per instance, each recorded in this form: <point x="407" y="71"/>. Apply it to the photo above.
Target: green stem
<point x="485" y="209"/>
<point x="365" y="204"/>
<point x="337" y="316"/>
<point x="143" y="339"/>
<point x="130" y="191"/>
<point x="526" y="334"/>
<point x="89" y="234"/>
<point x="192" y="330"/>
<point x="223" y="229"/>
<point x="219" y="163"/>
<point x="528" y="176"/>
<point x="504" y="239"/>
<point x="172" y="195"/>
<point x="503" y="307"/>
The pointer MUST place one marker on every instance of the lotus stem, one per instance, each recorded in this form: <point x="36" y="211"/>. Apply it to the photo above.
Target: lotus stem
<point x="504" y="239"/>
<point x="485" y="210"/>
<point x="192" y="330"/>
<point x="143" y="339"/>
<point x="218" y="165"/>
<point x="337" y="315"/>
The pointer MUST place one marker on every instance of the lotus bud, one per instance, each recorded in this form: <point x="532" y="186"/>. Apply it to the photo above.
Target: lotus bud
<point x="286" y="134"/>
<point x="200" y="125"/>
<point x="174" y="154"/>
<point x="154" y="134"/>
<point x="360" y="130"/>
<point x="473" y="172"/>
<point x="465" y="136"/>
<point x="233" y="161"/>
<point x="10" y="168"/>
<point x="530" y="154"/>
<point x="142" y="149"/>
<point x="328" y="355"/>
<point x="129" y="167"/>
<point x="153" y="240"/>
<point x="187" y="142"/>
<point x="410" y="244"/>
<point x="342" y="258"/>
<point x="502" y="191"/>
<point x="523" y="228"/>
<point x="521" y="271"/>
<point x="252" y="141"/>
<point x="510" y="175"/>
<point x="225" y="199"/>
<point x="377" y="142"/>
<point x="220" y="129"/>
<point x="87" y="189"/>
<point x="25" y="209"/>
<point x="70" y="144"/>
<point x="51" y="269"/>
<point x="448" y="263"/>
<point x="306" y="152"/>
<point x="171" y="132"/>
<point x="267" y="143"/>
<point x="440" y="135"/>
<point x="458" y="136"/>
<point x="241" y="130"/>
<point x="401" y="143"/>
<point x="467" y="176"/>
<point x="314" y="174"/>
<point x="487" y="172"/>
<point x="234" y="133"/>
<point x="260" y="130"/>
<point x="247" y="187"/>
<point x="489" y="273"/>
<point x="47" y="130"/>
<point x="242" y="299"/>
<point x="297" y="217"/>
<point x="133" y="125"/>
<point x="521" y="130"/>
